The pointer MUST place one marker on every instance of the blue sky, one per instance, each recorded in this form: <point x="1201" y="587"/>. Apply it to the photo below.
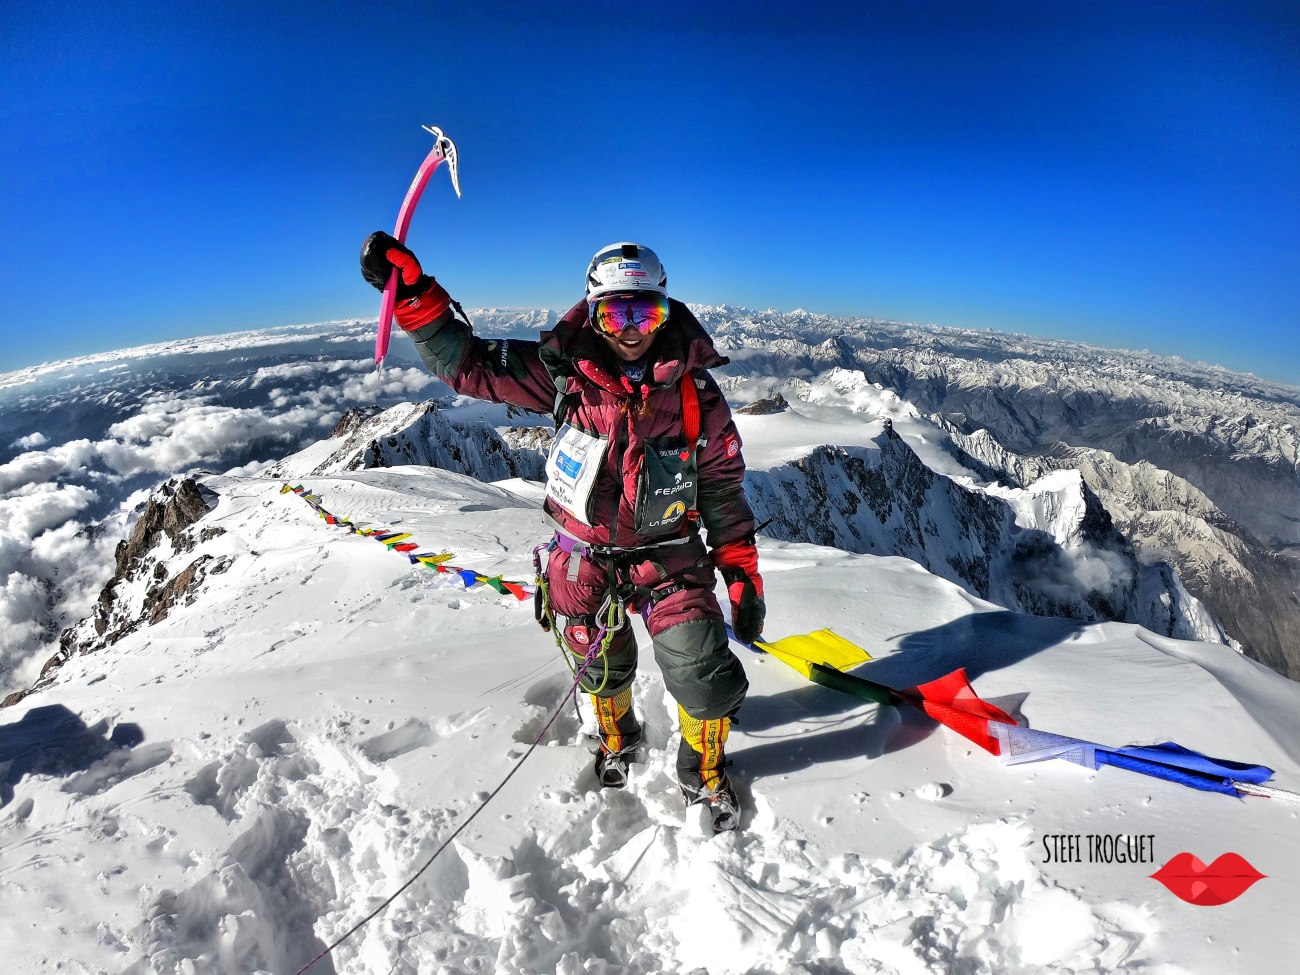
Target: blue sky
<point x="1123" y="174"/>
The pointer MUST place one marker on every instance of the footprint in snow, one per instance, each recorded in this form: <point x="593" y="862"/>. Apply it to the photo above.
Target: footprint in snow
<point x="410" y="736"/>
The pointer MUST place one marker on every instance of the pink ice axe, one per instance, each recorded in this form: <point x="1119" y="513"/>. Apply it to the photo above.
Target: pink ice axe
<point x="443" y="149"/>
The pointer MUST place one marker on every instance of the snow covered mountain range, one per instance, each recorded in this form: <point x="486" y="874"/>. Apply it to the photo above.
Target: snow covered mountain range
<point x="1050" y="550"/>
<point x="251" y="727"/>
<point x="111" y="425"/>
<point x="1199" y="467"/>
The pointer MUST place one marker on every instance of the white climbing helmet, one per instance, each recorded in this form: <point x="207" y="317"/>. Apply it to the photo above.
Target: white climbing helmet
<point x="625" y="267"/>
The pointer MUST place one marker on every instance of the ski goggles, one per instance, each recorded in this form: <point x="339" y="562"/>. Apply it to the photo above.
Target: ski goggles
<point x="614" y="313"/>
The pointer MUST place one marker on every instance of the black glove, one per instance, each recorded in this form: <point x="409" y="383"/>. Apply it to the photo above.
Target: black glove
<point x="420" y="298"/>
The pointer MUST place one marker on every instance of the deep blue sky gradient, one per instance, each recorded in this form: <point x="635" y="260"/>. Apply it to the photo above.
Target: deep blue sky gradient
<point x="1126" y="174"/>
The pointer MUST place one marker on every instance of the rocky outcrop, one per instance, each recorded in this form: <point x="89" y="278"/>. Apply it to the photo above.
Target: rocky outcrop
<point x="534" y="440"/>
<point x="1050" y="550"/>
<point x="171" y="510"/>
<point x="776" y="403"/>
<point x="352" y="420"/>
<point x="1248" y="588"/>
<point x="144" y="587"/>
<point x="412" y="433"/>
<point x="164" y="529"/>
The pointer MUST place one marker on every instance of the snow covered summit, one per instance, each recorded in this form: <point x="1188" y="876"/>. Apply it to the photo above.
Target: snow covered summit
<point x="229" y="788"/>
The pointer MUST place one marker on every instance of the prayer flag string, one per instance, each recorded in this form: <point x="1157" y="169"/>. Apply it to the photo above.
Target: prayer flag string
<point x="402" y="543"/>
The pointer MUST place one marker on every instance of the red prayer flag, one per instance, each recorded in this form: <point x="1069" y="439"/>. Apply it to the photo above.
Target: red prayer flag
<point x="952" y="702"/>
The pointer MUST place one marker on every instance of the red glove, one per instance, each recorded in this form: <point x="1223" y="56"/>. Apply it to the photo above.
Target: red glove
<point x="420" y="298"/>
<point x="738" y="563"/>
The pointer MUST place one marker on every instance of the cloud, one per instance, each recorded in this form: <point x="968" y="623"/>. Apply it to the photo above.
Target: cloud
<point x="40" y="507"/>
<point x="39" y="466"/>
<point x="177" y="431"/>
<point x="364" y="385"/>
<point x="80" y="561"/>
<point x="15" y="555"/>
<point x="51" y="570"/>
<point x="298" y="370"/>
<point x="51" y="567"/>
<point x="174" y="436"/>
<point x="29" y="468"/>
<point x="23" y="604"/>
<point x="1101" y="570"/>
<point x="251" y="469"/>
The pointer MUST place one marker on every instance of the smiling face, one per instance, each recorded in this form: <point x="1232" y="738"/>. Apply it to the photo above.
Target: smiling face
<point x="631" y="344"/>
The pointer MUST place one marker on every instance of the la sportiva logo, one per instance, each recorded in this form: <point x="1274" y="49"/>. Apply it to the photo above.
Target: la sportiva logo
<point x="671" y="514"/>
<point x="1224" y="880"/>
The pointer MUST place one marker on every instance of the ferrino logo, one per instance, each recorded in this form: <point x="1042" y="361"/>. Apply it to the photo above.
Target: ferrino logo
<point x="678" y="486"/>
<point x="502" y="358"/>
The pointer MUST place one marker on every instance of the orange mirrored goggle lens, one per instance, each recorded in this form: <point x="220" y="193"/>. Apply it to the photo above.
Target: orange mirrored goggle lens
<point x="612" y="314"/>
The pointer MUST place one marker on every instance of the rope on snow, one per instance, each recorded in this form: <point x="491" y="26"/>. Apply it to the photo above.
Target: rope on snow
<point x="590" y="659"/>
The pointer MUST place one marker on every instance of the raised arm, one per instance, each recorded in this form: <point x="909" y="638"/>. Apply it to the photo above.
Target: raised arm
<point x="500" y="370"/>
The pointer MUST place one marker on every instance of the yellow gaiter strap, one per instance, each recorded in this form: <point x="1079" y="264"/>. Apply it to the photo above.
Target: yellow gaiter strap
<point x="609" y="711"/>
<point x="707" y="736"/>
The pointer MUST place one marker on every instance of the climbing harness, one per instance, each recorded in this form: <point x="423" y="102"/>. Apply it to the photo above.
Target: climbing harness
<point x="620" y="592"/>
<point x="612" y="617"/>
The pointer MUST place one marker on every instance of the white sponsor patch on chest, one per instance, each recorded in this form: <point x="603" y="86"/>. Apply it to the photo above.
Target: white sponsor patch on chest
<point x="572" y="468"/>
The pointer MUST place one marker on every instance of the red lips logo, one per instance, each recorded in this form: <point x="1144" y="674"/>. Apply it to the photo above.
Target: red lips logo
<point x="1226" y="879"/>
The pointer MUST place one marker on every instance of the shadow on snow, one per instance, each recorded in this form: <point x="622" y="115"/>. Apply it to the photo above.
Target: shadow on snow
<point x="839" y="727"/>
<point x="53" y="740"/>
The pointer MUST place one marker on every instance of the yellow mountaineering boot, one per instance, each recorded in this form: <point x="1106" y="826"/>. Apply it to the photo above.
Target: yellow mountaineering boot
<point x="700" y="768"/>
<point x="620" y="737"/>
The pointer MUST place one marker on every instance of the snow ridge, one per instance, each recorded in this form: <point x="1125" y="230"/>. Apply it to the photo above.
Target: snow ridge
<point x="411" y="433"/>
<point x="259" y="766"/>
